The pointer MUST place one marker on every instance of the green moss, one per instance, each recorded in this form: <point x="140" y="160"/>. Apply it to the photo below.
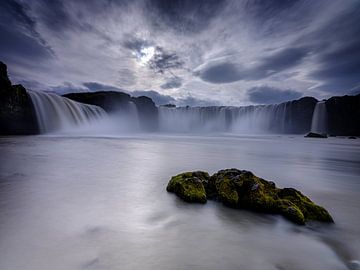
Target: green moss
<point x="242" y="189"/>
<point x="227" y="193"/>
<point x="189" y="186"/>
<point x="290" y="211"/>
<point x="310" y="210"/>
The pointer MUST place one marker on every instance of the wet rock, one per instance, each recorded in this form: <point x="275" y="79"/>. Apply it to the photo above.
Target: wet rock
<point x="242" y="189"/>
<point x="315" y="135"/>
<point x="189" y="186"/>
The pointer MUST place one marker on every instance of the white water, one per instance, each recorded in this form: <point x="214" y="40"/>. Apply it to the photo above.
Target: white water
<point x="319" y="120"/>
<point x="55" y="113"/>
<point x="249" y="119"/>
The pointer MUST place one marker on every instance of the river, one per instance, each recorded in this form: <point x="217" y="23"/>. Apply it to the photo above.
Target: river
<point x="73" y="202"/>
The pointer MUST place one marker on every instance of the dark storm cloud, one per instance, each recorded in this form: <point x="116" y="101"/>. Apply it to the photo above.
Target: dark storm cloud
<point x="339" y="69"/>
<point x="306" y="45"/>
<point x="54" y="14"/>
<point x="279" y="61"/>
<point x="184" y="15"/>
<point x="18" y="47"/>
<point x="338" y="54"/>
<point x="267" y="66"/>
<point x="271" y="95"/>
<point x="20" y="40"/>
<point x="164" y="60"/>
<point x="13" y="13"/>
<point x="222" y="73"/>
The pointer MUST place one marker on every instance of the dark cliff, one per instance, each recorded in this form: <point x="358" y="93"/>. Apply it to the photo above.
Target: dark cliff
<point x="343" y="115"/>
<point x="17" y="115"/>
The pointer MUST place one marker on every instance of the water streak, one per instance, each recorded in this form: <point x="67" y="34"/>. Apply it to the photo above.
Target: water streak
<point x="56" y="113"/>
<point x="319" y="120"/>
<point x="247" y="119"/>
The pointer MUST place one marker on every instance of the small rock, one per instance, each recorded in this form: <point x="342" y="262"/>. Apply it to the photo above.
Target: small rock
<point x="315" y="135"/>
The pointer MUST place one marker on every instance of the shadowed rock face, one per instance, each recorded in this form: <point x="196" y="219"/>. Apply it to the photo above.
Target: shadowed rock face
<point x="112" y="101"/>
<point x="17" y="115"/>
<point x="315" y="135"/>
<point x="300" y="115"/>
<point x="343" y="115"/>
<point x="242" y="189"/>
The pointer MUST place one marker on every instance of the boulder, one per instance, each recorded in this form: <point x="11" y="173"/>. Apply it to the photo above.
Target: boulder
<point x="242" y="189"/>
<point x="315" y="135"/>
<point x="189" y="186"/>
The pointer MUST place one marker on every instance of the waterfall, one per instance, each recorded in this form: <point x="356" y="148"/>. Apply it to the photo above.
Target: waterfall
<point x="127" y="119"/>
<point x="319" y="120"/>
<point x="246" y="119"/>
<point x="56" y="113"/>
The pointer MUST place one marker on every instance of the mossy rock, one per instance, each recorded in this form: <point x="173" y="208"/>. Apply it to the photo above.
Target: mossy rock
<point x="310" y="210"/>
<point x="242" y="189"/>
<point x="189" y="186"/>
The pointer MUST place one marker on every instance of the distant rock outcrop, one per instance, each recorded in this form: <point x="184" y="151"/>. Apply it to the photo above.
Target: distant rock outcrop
<point x="112" y="101"/>
<point x="17" y="115"/>
<point x="315" y="135"/>
<point x="242" y="189"/>
<point x="343" y="114"/>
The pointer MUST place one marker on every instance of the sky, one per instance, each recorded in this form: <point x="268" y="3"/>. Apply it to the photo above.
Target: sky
<point x="197" y="53"/>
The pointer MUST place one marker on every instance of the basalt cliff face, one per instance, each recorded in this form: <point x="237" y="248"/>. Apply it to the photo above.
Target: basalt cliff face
<point x="343" y="115"/>
<point x="17" y="115"/>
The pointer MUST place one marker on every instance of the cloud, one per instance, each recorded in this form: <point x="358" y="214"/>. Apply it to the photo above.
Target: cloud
<point x="204" y="50"/>
<point x="228" y="72"/>
<point x="221" y="73"/>
<point x="279" y="61"/>
<point x="171" y="83"/>
<point x="183" y="16"/>
<point x="163" y="60"/>
<point x="195" y="102"/>
<point x="95" y="86"/>
<point x="20" y="40"/>
<point x="271" y="95"/>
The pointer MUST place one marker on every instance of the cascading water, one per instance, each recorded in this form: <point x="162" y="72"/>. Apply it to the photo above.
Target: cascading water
<point x="56" y="113"/>
<point x="247" y="119"/>
<point x="319" y="120"/>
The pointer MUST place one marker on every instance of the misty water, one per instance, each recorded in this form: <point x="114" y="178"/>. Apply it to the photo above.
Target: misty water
<point x="72" y="202"/>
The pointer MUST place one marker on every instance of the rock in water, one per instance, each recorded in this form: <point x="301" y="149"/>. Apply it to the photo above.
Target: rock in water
<point x="242" y="189"/>
<point x="189" y="186"/>
<point x="315" y="135"/>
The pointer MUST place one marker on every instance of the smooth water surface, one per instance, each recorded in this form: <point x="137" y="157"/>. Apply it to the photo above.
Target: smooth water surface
<point x="100" y="203"/>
